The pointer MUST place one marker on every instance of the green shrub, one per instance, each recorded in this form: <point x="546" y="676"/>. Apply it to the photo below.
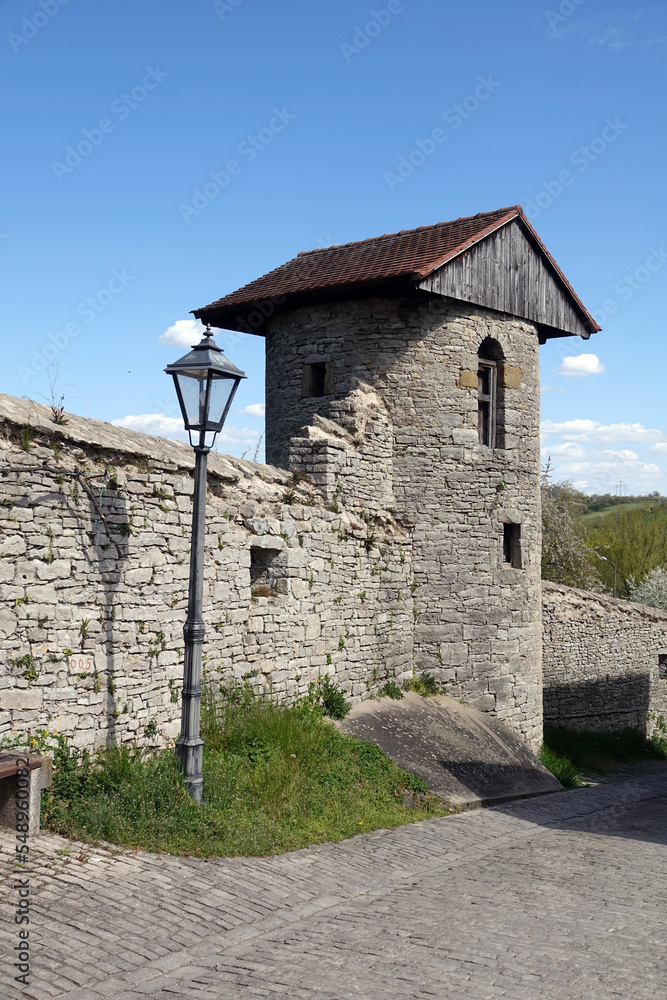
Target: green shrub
<point x="391" y="690"/>
<point x="424" y="685"/>
<point x="324" y="696"/>
<point x="658" y="738"/>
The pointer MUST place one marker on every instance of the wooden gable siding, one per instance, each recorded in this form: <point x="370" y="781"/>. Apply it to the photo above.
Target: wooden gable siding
<point x="506" y="272"/>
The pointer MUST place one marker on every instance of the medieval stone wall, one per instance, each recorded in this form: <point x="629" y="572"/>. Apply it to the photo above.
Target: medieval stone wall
<point x="602" y="661"/>
<point x="303" y="577"/>
<point x="477" y="619"/>
<point x="94" y="562"/>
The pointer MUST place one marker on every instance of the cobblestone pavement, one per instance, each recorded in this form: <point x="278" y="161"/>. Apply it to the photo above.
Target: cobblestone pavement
<point x="553" y="898"/>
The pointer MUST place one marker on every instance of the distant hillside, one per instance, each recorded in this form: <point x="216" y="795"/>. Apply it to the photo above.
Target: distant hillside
<point x="626" y="503"/>
<point x="601" y="501"/>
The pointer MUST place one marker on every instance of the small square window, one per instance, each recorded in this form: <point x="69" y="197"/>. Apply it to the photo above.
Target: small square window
<point x="267" y="572"/>
<point x="512" y="545"/>
<point x="317" y="379"/>
<point x="262" y="564"/>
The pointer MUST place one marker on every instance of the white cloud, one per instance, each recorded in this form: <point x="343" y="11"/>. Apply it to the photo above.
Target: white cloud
<point x="601" y="472"/>
<point x="187" y="332"/>
<point x="581" y="365"/>
<point x="569" y="449"/>
<point x="253" y="410"/>
<point x="621" y="34"/>
<point x="183" y="333"/>
<point x="154" y="423"/>
<point x="596" y="456"/>
<point x="234" y="438"/>
<point x="592" y="430"/>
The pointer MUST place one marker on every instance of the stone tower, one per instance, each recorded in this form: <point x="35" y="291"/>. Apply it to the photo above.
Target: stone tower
<point x="444" y="323"/>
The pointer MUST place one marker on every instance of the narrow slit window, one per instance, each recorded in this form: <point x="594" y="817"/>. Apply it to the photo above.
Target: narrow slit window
<point x="512" y="545"/>
<point x="487" y="383"/>
<point x="317" y="376"/>
<point x="662" y="666"/>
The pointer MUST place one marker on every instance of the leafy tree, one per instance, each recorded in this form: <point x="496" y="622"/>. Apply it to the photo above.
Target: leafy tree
<point x="635" y="539"/>
<point x="566" y="558"/>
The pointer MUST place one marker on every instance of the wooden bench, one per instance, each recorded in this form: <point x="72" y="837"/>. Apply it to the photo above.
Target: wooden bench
<point x="39" y="777"/>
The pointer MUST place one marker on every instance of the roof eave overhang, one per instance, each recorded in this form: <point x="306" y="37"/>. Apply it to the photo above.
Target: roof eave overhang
<point x="253" y="316"/>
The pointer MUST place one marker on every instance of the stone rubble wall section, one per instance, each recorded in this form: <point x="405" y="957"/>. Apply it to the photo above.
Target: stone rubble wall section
<point x="101" y="573"/>
<point x="601" y="661"/>
<point x="477" y="620"/>
<point x="350" y="456"/>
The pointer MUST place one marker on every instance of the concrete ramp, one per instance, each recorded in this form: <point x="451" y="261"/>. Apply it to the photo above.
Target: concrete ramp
<point x="464" y="756"/>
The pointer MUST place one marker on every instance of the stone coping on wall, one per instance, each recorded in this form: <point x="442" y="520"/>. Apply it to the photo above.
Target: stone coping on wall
<point x="605" y="602"/>
<point x="17" y="414"/>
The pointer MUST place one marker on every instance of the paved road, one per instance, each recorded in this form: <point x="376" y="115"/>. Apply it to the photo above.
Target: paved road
<point x="553" y="898"/>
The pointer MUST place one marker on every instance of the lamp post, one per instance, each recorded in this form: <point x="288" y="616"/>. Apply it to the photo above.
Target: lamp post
<point x="604" y="559"/>
<point x="206" y="383"/>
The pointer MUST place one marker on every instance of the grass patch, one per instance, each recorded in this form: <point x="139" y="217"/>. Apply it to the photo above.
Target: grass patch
<point x="424" y="685"/>
<point x="561" y="767"/>
<point x="598" y="753"/>
<point x="590" y="516"/>
<point x="276" y="778"/>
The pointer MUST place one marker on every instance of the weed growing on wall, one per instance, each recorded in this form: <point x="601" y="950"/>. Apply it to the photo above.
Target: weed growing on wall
<point x="27" y="435"/>
<point x="40" y="741"/>
<point x="391" y="690"/>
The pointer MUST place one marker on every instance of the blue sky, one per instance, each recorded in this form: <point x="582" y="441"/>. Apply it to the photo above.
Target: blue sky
<point x="103" y="255"/>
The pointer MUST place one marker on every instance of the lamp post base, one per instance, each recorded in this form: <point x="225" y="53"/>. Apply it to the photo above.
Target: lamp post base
<point x="190" y="753"/>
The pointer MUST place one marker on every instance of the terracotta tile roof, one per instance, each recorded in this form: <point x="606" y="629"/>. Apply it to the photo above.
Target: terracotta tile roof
<point x="406" y="257"/>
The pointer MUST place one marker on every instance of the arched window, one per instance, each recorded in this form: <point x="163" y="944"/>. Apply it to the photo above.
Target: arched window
<point x="490" y="395"/>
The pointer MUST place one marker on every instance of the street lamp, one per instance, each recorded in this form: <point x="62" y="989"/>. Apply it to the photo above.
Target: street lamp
<point x="604" y="559"/>
<point x="205" y="384"/>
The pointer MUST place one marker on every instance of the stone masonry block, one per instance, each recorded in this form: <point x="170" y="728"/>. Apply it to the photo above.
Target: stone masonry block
<point x="509" y="377"/>
<point x="467" y="379"/>
<point x="22" y="698"/>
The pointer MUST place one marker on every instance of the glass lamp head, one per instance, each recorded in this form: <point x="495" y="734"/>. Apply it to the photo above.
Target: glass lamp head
<point x="206" y="382"/>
